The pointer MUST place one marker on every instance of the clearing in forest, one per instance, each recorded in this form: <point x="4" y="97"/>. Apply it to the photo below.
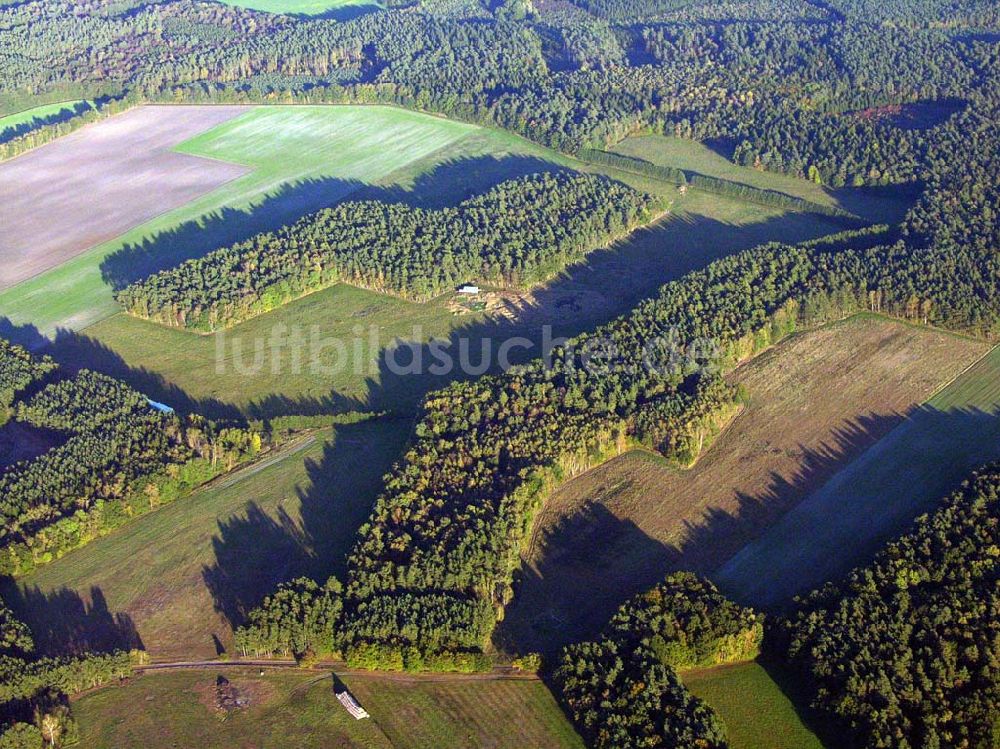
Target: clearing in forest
<point x="178" y="579"/>
<point x="816" y="401"/>
<point x="756" y="711"/>
<point x="293" y="159"/>
<point x="844" y="522"/>
<point x="881" y="205"/>
<point x="295" y="708"/>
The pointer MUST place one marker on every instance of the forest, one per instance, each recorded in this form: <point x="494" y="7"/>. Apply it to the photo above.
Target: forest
<point x="904" y="651"/>
<point x="623" y="689"/>
<point x="112" y="455"/>
<point x="787" y="88"/>
<point x="438" y="558"/>
<point x="34" y="691"/>
<point x="519" y="233"/>
<point x="845" y="93"/>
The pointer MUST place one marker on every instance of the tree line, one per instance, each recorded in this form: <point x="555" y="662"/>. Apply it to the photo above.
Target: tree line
<point x="905" y="651"/>
<point x="518" y="233"/>
<point x="34" y="691"/>
<point x="623" y="690"/>
<point x="786" y="87"/>
<point x="114" y="456"/>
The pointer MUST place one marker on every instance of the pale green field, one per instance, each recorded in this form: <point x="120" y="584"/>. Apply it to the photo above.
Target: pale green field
<point x="303" y="158"/>
<point x="692" y="156"/>
<point x="45" y="110"/>
<point x="179" y="576"/>
<point x="757" y="714"/>
<point x="298" y="709"/>
<point x="876" y="496"/>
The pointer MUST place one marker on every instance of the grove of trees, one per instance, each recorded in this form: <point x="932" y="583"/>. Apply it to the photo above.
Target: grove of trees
<point x="905" y="652"/>
<point x="623" y="690"/>
<point x="115" y="456"/>
<point x="518" y="233"/>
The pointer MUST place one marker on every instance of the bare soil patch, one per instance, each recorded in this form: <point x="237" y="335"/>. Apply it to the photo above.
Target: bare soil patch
<point x="96" y="183"/>
<point x="816" y="401"/>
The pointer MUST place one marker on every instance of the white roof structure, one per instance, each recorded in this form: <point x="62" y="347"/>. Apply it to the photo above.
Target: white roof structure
<point x="351" y="705"/>
<point x="468" y="289"/>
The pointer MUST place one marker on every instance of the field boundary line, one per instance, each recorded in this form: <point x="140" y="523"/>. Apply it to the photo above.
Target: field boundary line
<point x="244" y="472"/>
<point x="941" y="388"/>
<point x="341" y="669"/>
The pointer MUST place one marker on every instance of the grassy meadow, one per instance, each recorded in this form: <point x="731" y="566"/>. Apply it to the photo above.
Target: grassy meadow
<point x="693" y="157"/>
<point x="875" y="496"/>
<point x="755" y="710"/>
<point x="179" y="578"/>
<point x="298" y="708"/>
<point x="42" y="112"/>
<point x="465" y="714"/>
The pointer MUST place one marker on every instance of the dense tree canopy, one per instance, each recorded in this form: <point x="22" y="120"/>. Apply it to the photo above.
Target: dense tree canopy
<point x="906" y="651"/>
<point x="518" y="233"/>
<point x="113" y="455"/>
<point x="34" y="690"/>
<point x="622" y="689"/>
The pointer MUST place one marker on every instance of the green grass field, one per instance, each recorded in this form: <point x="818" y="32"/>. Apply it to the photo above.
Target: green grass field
<point x="877" y="495"/>
<point x="35" y="113"/>
<point x="298" y="709"/>
<point x="757" y="714"/>
<point x="465" y="714"/>
<point x="182" y="573"/>
<point x="186" y="363"/>
<point x="303" y="158"/>
<point x="691" y="156"/>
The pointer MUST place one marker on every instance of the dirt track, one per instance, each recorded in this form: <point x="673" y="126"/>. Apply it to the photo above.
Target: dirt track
<point x="95" y="184"/>
<point x="341" y="669"/>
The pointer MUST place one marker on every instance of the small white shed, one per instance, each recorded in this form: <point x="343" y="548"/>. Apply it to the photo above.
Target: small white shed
<point x="351" y="705"/>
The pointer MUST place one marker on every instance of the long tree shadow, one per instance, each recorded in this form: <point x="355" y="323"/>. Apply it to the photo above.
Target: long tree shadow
<point x="593" y="559"/>
<point x="844" y="522"/>
<point x="62" y="622"/>
<point x="220" y="228"/>
<point x="74" y="351"/>
<point x="65" y="114"/>
<point x="444" y="185"/>
<point x="256" y="550"/>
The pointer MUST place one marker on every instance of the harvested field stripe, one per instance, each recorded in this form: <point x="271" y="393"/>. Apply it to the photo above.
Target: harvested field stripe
<point x="817" y="400"/>
<point x="877" y="495"/>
